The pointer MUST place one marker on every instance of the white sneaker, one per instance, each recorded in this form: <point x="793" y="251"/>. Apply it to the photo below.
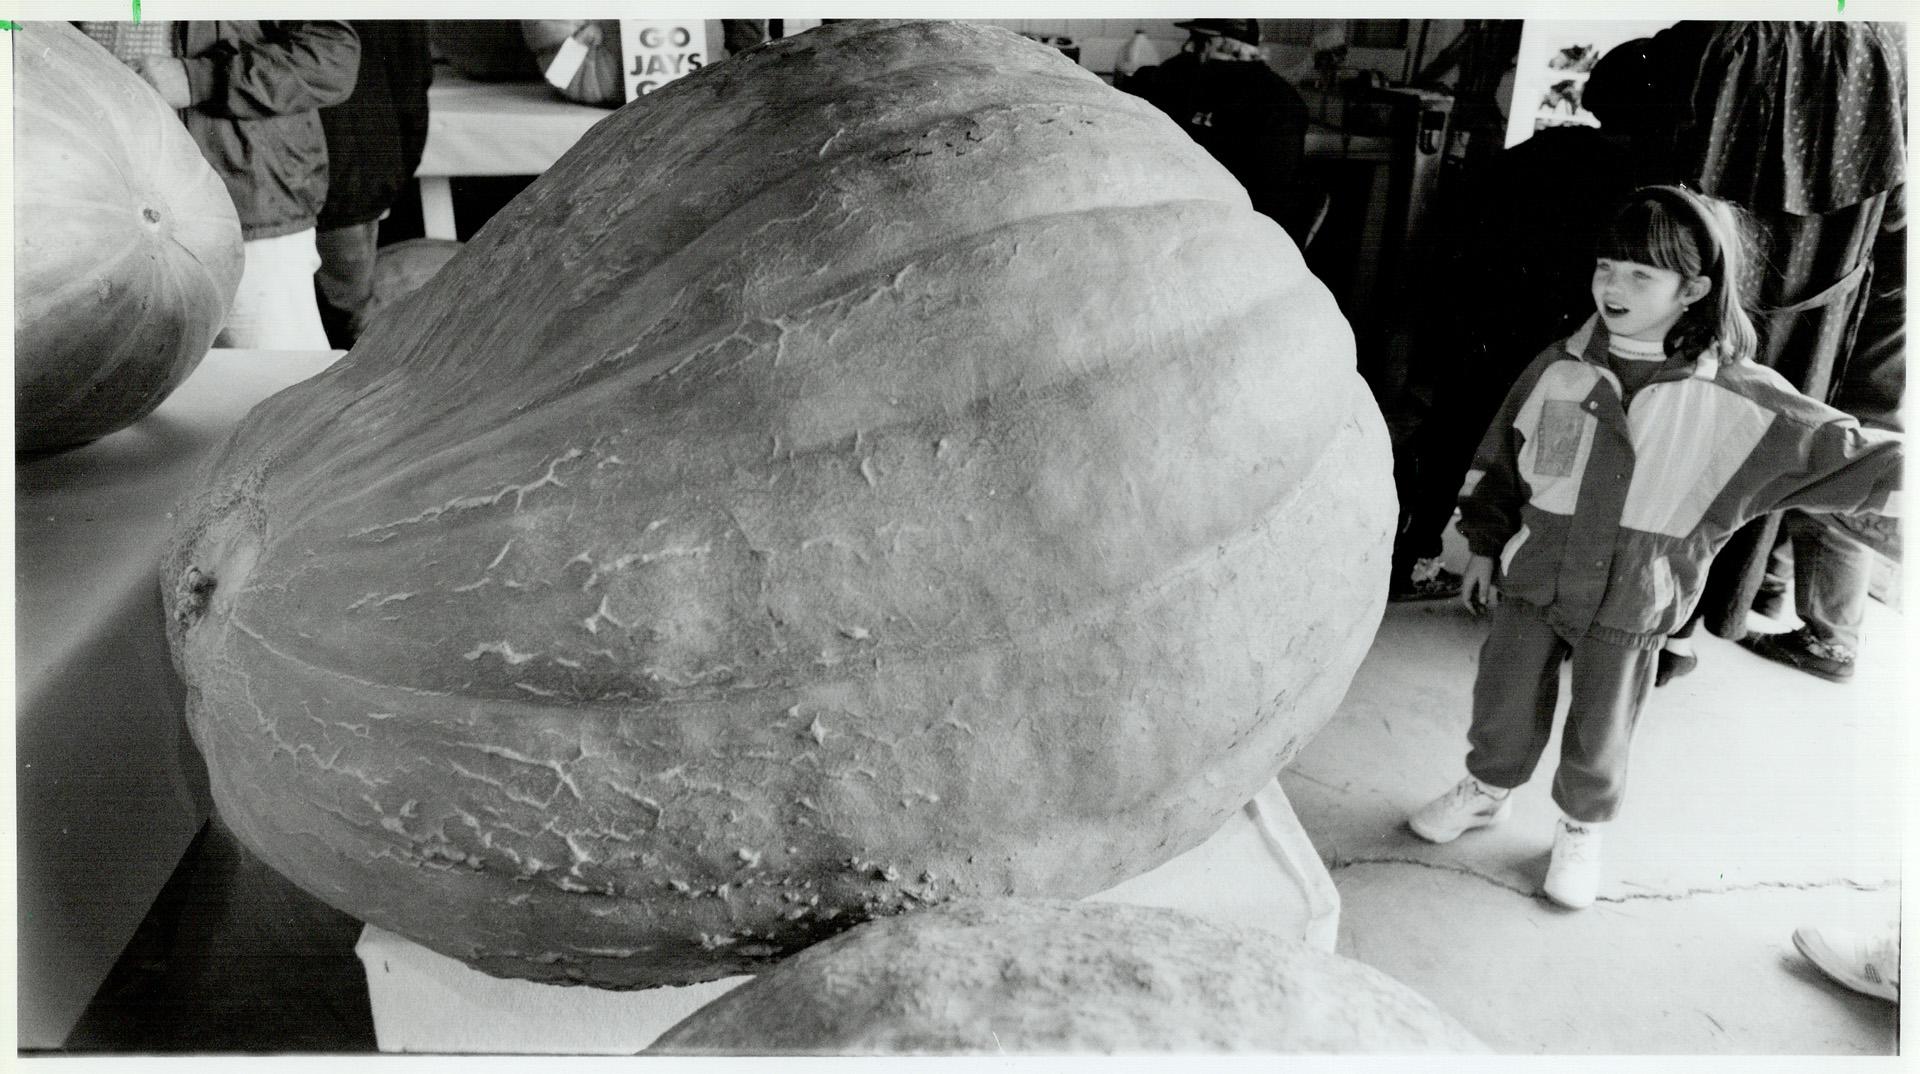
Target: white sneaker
<point x="1470" y="804"/>
<point x="1868" y="964"/>
<point x="1573" y="876"/>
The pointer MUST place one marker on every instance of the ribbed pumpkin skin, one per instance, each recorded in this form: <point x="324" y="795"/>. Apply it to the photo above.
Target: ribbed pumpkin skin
<point x="1035" y="976"/>
<point x="887" y="465"/>
<point x="126" y="246"/>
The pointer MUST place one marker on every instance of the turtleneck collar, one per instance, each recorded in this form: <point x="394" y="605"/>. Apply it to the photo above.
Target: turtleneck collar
<point x="1635" y="350"/>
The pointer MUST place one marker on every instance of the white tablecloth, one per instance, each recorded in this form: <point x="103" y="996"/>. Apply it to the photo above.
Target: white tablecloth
<point x="491" y="128"/>
<point x="521" y="128"/>
<point x="109" y="790"/>
<point x="499" y="128"/>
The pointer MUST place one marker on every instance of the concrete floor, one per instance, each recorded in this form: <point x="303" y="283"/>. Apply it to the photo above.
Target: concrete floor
<point x="1762" y="798"/>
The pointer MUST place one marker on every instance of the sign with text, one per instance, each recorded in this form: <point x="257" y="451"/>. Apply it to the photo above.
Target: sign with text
<point x="655" y="53"/>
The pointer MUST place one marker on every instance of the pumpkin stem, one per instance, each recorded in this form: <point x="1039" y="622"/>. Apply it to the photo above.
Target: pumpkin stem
<point x="192" y="596"/>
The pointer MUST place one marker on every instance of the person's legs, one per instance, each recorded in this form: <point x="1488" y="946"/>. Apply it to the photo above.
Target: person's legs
<point x="1426" y="503"/>
<point x="344" y="283"/>
<point x="1777" y="587"/>
<point x="274" y="308"/>
<point x="1610" y="685"/>
<point x="1676" y="653"/>
<point x="1440" y="454"/>
<point x="1514" y="696"/>
<point x="1513" y="701"/>
<point x="1832" y="577"/>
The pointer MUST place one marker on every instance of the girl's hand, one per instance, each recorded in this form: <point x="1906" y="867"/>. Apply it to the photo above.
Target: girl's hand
<point x="1477" y="590"/>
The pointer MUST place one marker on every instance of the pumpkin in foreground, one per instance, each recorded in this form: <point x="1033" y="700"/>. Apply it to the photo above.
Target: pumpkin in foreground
<point x="126" y="246"/>
<point x="1020" y="976"/>
<point x="886" y="466"/>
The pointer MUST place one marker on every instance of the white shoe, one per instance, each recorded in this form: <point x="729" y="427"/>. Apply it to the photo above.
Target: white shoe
<point x="1868" y="964"/>
<point x="1573" y="876"/>
<point x="1470" y="804"/>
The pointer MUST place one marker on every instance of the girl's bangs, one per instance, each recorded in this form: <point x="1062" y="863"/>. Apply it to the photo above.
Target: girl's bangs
<point x="1645" y="233"/>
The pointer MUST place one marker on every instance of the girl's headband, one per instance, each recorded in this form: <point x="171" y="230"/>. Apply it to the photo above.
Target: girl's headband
<point x="1693" y="208"/>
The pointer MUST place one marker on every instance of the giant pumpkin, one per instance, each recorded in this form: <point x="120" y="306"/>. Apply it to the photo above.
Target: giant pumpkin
<point x="1024" y="976"/>
<point x="126" y="247"/>
<point x="888" y="465"/>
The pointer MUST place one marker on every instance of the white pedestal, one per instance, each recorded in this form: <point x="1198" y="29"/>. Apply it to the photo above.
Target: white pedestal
<point x="1259" y="870"/>
<point x="436" y="207"/>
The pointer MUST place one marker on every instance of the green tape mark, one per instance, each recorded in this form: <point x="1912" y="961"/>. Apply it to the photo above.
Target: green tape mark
<point x="136" y="9"/>
<point x="8" y="24"/>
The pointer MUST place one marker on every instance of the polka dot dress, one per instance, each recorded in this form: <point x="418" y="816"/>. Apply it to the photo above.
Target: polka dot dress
<point x="1806" y="117"/>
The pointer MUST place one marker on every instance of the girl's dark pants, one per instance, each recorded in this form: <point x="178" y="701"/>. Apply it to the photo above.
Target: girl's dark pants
<point x="1517" y="690"/>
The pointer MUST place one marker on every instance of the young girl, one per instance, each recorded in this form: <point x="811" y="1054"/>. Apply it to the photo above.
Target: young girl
<point x="1620" y="462"/>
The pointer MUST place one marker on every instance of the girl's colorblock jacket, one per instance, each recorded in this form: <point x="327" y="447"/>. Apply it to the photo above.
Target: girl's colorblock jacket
<point x="1604" y="517"/>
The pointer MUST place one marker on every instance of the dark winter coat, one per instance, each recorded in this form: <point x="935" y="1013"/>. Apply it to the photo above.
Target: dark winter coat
<point x="1249" y="118"/>
<point x="256" y="90"/>
<point x="376" y="136"/>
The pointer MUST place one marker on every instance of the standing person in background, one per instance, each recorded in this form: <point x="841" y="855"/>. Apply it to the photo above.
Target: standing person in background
<point x="250" y="94"/>
<point x="1222" y="93"/>
<point x="374" y="141"/>
<point x="1818" y="566"/>
<point x="1803" y="125"/>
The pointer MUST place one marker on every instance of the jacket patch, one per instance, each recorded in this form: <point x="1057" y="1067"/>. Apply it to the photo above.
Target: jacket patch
<point x="1555" y="427"/>
<point x="1557" y="437"/>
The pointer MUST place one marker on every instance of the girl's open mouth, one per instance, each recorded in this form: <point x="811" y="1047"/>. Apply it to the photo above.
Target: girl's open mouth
<point x="1612" y="310"/>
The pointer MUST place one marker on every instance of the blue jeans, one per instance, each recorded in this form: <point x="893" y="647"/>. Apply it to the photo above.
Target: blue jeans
<point x="344" y="284"/>
<point x="1829" y="573"/>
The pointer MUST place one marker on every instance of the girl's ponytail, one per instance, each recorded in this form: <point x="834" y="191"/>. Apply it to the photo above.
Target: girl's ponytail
<point x="1733" y="331"/>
